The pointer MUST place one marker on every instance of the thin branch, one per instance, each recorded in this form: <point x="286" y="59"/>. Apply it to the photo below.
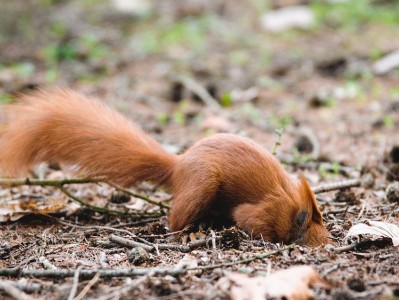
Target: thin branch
<point x="59" y="184"/>
<point x="75" y="284"/>
<point x="336" y="186"/>
<point x="355" y="246"/>
<point x="90" y="226"/>
<point x="109" y="211"/>
<point x="13" y="182"/>
<point x="142" y="197"/>
<point x="163" y="235"/>
<point x="148" y="246"/>
<point x="98" y="227"/>
<point x="12" y="291"/>
<point x="246" y="260"/>
<point x="277" y="144"/>
<point x="87" y="288"/>
<point x="135" y="223"/>
<point x="110" y="273"/>
<point x="129" y="243"/>
<point x="17" y="272"/>
<point x="46" y="263"/>
<point x="214" y="250"/>
<point x="122" y="293"/>
<point x="201" y="92"/>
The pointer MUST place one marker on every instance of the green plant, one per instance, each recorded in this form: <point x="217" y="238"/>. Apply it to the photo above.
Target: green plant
<point x="226" y="99"/>
<point x="240" y="57"/>
<point x="355" y="12"/>
<point x="388" y="121"/>
<point x="58" y="29"/>
<point x="5" y="98"/>
<point x="394" y="92"/>
<point x="300" y="158"/>
<point x="88" y="45"/>
<point x="250" y="113"/>
<point x="280" y="122"/>
<point x="179" y="118"/>
<point x="187" y="33"/>
<point x="51" y="75"/>
<point x="328" y="171"/>
<point x="24" y="68"/>
<point x="59" y="52"/>
<point x="93" y="47"/>
<point x="163" y="118"/>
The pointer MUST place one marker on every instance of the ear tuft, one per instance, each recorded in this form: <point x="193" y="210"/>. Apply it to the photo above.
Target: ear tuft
<point x="307" y="194"/>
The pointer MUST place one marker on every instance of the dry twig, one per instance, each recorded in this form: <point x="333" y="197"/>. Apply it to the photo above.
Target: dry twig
<point x="46" y="263"/>
<point x="354" y="246"/>
<point x="17" y="272"/>
<point x="12" y="291"/>
<point x="75" y="284"/>
<point x="129" y="243"/>
<point x="246" y="260"/>
<point x="201" y="92"/>
<point x="142" y="197"/>
<point x="87" y="288"/>
<point x="152" y="247"/>
<point x="336" y="186"/>
<point x="59" y="184"/>
<point x="214" y="251"/>
<point x="120" y="292"/>
<point x="277" y="144"/>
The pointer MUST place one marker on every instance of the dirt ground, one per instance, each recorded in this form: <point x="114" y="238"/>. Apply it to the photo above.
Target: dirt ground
<point x="316" y="90"/>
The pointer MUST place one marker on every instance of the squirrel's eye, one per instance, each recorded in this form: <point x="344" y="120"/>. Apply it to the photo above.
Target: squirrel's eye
<point x="301" y="218"/>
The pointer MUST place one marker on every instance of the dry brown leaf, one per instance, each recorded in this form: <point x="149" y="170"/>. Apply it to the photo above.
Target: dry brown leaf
<point x="15" y="209"/>
<point x="137" y="205"/>
<point x="291" y="284"/>
<point x="376" y="228"/>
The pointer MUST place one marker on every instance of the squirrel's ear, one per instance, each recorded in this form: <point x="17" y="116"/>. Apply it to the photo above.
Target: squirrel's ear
<point x="307" y="194"/>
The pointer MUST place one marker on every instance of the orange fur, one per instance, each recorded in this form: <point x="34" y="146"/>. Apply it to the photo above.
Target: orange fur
<point x="223" y="174"/>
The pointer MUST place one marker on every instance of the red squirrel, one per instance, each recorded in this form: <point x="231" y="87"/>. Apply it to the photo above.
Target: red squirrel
<point x="227" y="174"/>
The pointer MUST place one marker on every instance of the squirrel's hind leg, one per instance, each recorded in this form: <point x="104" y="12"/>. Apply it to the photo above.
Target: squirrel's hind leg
<point x="192" y="201"/>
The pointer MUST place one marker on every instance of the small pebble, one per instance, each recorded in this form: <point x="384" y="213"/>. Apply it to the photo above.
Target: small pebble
<point x="393" y="172"/>
<point x="356" y="284"/>
<point x="138" y="256"/>
<point x="392" y="192"/>
<point x="394" y="154"/>
<point x="346" y="196"/>
<point x="304" y="145"/>
<point x="368" y="180"/>
<point x="341" y="295"/>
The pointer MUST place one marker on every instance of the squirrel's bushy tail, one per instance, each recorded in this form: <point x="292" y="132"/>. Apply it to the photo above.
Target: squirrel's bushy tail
<point x="58" y="125"/>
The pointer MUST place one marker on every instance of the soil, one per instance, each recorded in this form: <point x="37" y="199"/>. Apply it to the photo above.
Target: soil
<point x="340" y="121"/>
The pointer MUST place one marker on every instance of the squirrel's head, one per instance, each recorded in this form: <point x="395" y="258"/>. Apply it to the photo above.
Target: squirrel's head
<point x="285" y="216"/>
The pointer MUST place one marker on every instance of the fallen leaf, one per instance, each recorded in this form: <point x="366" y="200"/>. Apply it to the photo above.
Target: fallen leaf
<point x="387" y="63"/>
<point x="290" y="284"/>
<point x="376" y="228"/>
<point x="188" y="261"/>
<point x="245" y="95"/>
<point x="288" y="18"/>
<point x="134" y="7"/>
<point x="15" y="209"/>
